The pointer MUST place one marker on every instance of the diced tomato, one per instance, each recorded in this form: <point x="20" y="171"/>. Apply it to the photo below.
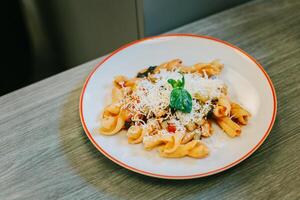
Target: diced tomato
<point x="171" y="128"/>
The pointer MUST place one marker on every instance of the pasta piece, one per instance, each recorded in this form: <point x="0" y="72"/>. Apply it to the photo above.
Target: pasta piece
<point x="223" y="107"/>
<point x="206" y="129"/>
<point x="187" y="69"/>
<point x="151" y="129"/>
<point x="199" y="122"/>
<point x="131" y="82"/>
<point x="108" y="122"/>
<point x="112" y="109"/>
<point x="135" y="134"/>
<point x="198" y="151"/>
<point x="230" y="127"/>
<point x="174" y="144"/>
<point x="210" y="69"/>
<point x="194" y="149"/>
<point x="115" y="125"/>
<point x="152" y="141"/>
<point x="217" y="65"/>
<point x="169" y="66"/>
<point x="117" y="95"/>
<point x="197" y="135"/>
<point x="120" y="81"/>
<point x="239" y="114"/>
<point x="219" y="111"/>
<point x="181" y="151"/>
<point x="188" y="137"/>
<point x="191" y="126"/>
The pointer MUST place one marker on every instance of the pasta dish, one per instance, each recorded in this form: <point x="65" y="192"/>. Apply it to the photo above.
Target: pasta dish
<point x="171" y="107"/>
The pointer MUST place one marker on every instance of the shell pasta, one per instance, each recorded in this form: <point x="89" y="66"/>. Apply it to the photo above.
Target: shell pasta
<point x="171" y="107"/>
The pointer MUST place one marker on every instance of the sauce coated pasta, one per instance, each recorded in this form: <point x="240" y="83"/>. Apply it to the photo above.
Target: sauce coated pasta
<point x="171" y="107"/>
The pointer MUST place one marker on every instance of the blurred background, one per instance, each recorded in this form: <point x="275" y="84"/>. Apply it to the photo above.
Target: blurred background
<point x="42" y="38"/>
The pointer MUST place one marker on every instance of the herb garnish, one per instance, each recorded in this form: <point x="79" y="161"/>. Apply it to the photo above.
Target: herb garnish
<point x="180" y="98"/>
<point x="148" y="71"/>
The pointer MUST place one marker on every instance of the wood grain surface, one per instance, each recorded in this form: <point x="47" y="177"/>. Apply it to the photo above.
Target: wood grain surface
<point x="44" y="153"/>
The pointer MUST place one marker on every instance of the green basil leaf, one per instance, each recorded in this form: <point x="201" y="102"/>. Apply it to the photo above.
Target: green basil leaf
<point x="187" y="101"/>
<point x="175" y="94"/>
<point x="181" y="100"/>
<point x="182" y="82"/>
<point x="172" y="82"/>
<point x="178" y="83"/>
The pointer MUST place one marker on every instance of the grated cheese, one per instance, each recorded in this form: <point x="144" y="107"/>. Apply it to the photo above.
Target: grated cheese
<point x="154" y="97"/>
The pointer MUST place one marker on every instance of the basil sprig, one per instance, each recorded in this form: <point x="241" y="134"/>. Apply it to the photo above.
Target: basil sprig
<point x="180" y="98"/>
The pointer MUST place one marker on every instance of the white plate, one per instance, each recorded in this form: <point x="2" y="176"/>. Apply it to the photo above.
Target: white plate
<point x="248" y="84"/>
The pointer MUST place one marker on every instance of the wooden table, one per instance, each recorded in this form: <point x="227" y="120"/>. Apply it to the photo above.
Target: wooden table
<point x="44" y="153"/>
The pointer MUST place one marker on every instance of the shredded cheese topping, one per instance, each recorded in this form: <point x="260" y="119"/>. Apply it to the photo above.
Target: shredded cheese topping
<point x="152" y="97"/>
